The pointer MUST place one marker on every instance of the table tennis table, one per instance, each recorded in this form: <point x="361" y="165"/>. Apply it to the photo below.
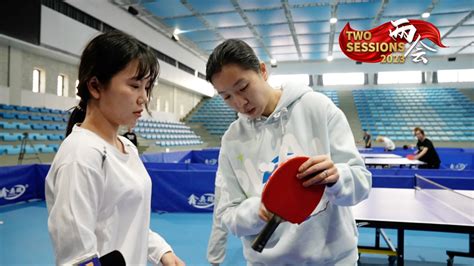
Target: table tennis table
<point x="391" y="162"/>
<point x="427" y="207"/>
<point x="379" y="155"/>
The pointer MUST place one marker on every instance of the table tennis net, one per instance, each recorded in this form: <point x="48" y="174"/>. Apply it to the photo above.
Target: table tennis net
<point x="451" y="202"/>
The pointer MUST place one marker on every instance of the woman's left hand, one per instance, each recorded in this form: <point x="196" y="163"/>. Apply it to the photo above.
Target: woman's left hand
<point x="318" y="170"/>
<point x="170" y="259"/>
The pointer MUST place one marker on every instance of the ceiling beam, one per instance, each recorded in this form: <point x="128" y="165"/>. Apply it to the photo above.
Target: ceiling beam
<point x="464" y="19"/>
<point x="278" y="7"/>
<point x="433" y="4"/>
<point x="202" y="19"/>
<point x="464" y="47"/>
<point x="291" y="25"/>
<point x="251" y="27"/>
<point x="379" y="14"/>
<point x="332" y="30"/>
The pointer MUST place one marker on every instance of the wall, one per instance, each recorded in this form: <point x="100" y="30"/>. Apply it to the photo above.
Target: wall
<point x="465" y="61"/>
<point x="52" y="69"/>
<point x="64" y="33"/>
<point x="347" y="65"/>
<point x="69" y="36"/>
<point x="4" y="95"/>
<point x="184" y="102"/>
<point x="4" y="65"/>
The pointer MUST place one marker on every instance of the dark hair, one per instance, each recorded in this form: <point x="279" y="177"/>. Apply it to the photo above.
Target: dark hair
<point x="105" y="56"/>
<point x="232" y="51"/>
<point x="419" y="129"/>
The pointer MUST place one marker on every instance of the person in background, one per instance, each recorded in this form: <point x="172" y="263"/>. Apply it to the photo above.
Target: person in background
<point x="389" y="145"/>
<point x="426" y="151"/>
<point x="216" y="247"/>
<point x="274" y="124"/>
<point x="130" y="135"/>
<point x="98" y="192"/>
<point x="367" y="139"/>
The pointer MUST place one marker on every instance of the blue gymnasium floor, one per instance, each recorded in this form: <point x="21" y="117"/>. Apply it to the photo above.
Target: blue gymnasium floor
<point x="24" y="239"/>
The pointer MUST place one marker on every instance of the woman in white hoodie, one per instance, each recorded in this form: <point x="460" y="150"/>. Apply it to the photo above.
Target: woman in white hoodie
<point x="272" y="125"/>
<point x="98" y="191"/>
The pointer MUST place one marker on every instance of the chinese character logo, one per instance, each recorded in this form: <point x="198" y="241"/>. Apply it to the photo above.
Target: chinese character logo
<point x="392" y="42"/>
<point x="13" y="193"/>
<point x="201" y="202"/>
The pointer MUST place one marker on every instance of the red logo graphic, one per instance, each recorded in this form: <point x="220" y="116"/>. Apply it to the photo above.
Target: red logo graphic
<point x="378" y="44"/>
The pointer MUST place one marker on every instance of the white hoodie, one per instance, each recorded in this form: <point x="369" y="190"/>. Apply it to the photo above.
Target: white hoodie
<point x="303" y="123"/>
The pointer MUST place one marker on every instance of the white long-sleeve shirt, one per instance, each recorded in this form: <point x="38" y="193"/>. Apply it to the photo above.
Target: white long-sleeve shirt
<point x="303" y="123"/>
<point x="98" y="200"/>
<point x="388" y="143"/>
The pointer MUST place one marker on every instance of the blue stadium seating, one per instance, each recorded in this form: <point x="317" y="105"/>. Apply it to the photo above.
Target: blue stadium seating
<point x="214" y="115"/>
<point x="444" y="114"/>
<point x="168" y="133"/>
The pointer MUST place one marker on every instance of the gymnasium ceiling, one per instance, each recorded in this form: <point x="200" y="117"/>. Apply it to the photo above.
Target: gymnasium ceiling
<point x="299" y="30"/>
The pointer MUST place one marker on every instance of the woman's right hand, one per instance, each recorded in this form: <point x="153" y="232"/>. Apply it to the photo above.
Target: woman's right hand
<point x="264" y="214"/>
<point x="170" y="259"/>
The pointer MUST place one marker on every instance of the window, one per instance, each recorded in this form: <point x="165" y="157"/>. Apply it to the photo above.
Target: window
<point x="456" y="75"/>
<point x="399" y="77"/>
<point x="36" y="80"/>
<point x="354" y="78"/>
<point x="277" y="80"/>
<point x="60" y="86"/>
<point x="158" y="106"/>
<point x="39" y="80"/>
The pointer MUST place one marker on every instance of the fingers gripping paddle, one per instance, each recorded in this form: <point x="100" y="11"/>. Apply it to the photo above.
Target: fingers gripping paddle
<point x="285" y="196"/>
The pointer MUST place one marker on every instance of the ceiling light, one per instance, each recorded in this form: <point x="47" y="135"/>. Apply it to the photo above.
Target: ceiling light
<point x="175" y="36"/>
<point x="330" y="58"/>
<point x="425" y="15"/>
<point x="273" y="62"/>
<point x="333" y="20"/>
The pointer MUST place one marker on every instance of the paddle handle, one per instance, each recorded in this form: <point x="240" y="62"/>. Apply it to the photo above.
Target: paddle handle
<point x="264" y="235"/>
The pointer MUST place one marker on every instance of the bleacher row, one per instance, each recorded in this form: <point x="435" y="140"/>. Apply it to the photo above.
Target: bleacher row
<point x="171" y="143"/>
<point x="32" y="126"/>
<point x="444" y="114"/>
<point x="168" y="133"/>
<point x="45" y="129"/>
<point x="160" y="124"/>
<point x="22" y="116"/>
<point x="215" y="116"/>
<point x="31" y="136"/>
<point x="37" y="126"/>
<point x="29" y="149"/>
<point x="11" y="107"/>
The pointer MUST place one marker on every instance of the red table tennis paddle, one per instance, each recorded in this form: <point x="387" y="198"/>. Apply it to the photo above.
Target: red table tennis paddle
<point x="285" y="196"/>
<point x="411" y="157"/>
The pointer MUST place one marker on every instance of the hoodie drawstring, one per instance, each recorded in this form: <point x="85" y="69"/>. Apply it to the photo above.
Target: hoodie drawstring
<point x="283" y="114"/>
